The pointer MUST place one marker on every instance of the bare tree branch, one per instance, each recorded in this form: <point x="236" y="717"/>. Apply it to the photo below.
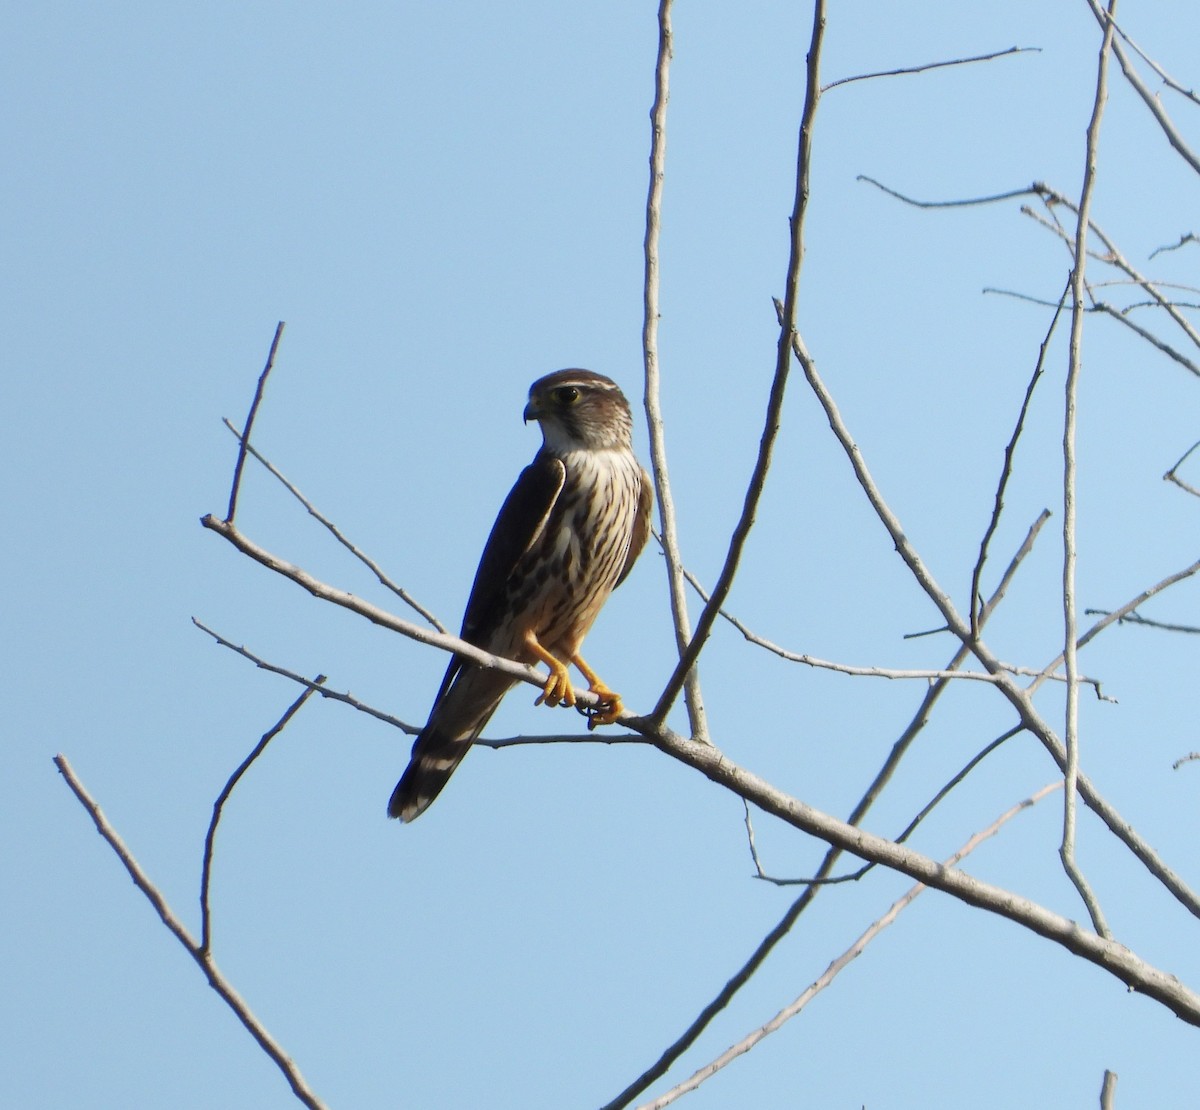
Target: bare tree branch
<point x="1167" y="79"/>
<point x="909" y="829"/>
<point x="336" y="532"/>
<point x="1112" y="256"/>
<point x="1184" y="239"/>
<point x="245" y="437"/>
<point x="1074" y="368"/>
<point x="653" y="405"/>
<point x="1029" y="190"/>
<point x="1117" y="615"/>
<point x="1108" y="1091"/>
<point x="840" y="963"/>
<point x="907" y="70"/>
<point x="787" y="337"/>
<point x="721" y="770"/>
<point x="203" y="958"/>
<point x="1147" y="335"/>
<point x="1116" y="314"/>
<point x="333" y="695"/>
<point x="1173" y="476"/>
<point x="219" y="806"/>
<point x="1006" y="470"/>
<point x="890" y="673"/>
<point x="1137" y="618"/>
<point x="1148" y="98"/>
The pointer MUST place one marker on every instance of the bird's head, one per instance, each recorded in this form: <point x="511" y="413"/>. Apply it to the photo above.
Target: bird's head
<point x="580" y="410"/>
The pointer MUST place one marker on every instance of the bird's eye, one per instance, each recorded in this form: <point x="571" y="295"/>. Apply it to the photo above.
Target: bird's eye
<point x="566" y="395"/>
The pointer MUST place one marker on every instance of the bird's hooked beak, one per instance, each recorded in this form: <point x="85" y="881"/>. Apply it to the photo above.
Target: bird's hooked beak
<point x="533" y="411"/>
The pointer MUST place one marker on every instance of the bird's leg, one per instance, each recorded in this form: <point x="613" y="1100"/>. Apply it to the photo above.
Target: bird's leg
<point x="558" y="684"/>
<point x="610" y="707"/>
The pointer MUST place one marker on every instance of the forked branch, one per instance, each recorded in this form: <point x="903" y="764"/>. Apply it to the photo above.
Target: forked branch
<point x="197" y="950"/>
<point x="788" y="335"/>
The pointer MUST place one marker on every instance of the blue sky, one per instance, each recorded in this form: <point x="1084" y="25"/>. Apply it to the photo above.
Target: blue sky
<point x="444" y="203"/>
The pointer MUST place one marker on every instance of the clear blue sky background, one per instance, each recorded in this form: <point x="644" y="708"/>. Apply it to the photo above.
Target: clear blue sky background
<point x="445" y="202"/>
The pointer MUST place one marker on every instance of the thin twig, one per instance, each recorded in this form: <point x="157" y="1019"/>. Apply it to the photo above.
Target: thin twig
<point x="1074" y="368"/>
<point x="593" y="737"/>
<point x="1113" y="256"/>
<point x="1172" y="475"/>
<point x="788" y="336"/>
<point x="219" y="806"/>
<point x="944" y="792"/>
<point x="317" y="515"/>
<point x="1117" y="314"/>
<point x="1006" y="470"/>
<point x="951" y="672"/>
<point x="1017" y="295"/>
<point x="1051" y="220"/>
<point x="905" y="71"/>
<point x="857" y="671"/>
<point x="992" y="198"/>
<point x="1184" y="239"/>
<point x="1149" y="336"/>
<point x="1139" y="86"/>
<point x="333" y="695"/>
<point x="838" y="965"/>
<point x="1178" y="286"/>
<point x="215" y="977"/>
<point x="758" y="867"/>
<point x="1167" y="79"/>
<point x="1137" y="618"/>
<point x="1051" y="198"/>
<point x="653" y="402"/>
<point x="245" y="436"/>
<point x="1114" y="617"/>
<point x="1081" y="679"/>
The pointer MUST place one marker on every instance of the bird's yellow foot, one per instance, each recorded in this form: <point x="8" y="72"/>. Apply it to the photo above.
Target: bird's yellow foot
<point x="558" y="689"/>
<point x="609" y="708"/>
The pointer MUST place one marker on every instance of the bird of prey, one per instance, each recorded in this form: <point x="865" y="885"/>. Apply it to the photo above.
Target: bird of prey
<point x="566" y="536"/>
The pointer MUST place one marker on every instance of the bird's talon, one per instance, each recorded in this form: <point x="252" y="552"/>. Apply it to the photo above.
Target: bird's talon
<point x="606" y="710"/>
<point x="557" y="690"/>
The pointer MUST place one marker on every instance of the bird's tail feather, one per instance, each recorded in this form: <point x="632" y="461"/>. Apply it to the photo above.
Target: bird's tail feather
<point x="454" y="724"/>
<point x="435" y="756"/>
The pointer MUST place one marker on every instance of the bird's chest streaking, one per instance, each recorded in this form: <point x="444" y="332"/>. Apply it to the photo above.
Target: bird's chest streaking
<point x="565" y="576"/>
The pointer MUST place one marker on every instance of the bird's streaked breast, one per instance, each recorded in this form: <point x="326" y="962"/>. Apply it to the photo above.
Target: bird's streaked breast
<point x="564" y="579"/>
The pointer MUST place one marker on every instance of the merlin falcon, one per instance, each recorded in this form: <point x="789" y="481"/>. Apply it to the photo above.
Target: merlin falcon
<point x="567" y="535"/>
